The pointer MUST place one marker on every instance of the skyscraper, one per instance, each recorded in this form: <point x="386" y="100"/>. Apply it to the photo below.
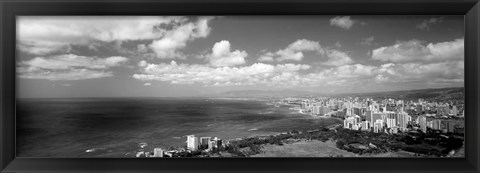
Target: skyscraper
<point x="378" y="126"/>
<point x="204" y="141"/>
<point x="192" y="142"/>
<point x="422" y="121"/>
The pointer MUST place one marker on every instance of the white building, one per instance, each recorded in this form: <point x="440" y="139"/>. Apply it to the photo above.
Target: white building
<point x="378" y="125"/>
<point x="157" y="152"/>
<point x="192" y="142"/>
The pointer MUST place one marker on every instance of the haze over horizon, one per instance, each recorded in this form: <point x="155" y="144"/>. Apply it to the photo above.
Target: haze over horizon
<point x="172" y="56"/>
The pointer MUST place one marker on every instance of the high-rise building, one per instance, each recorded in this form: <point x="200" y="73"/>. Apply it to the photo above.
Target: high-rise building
<point x="218" y="141"/>
<point x="436" y="124"/>
<point x="356" y="111"/>
<point x="419" y="109"/>
<point x="422" y="121"/>
<point x="378" y="126"/>
<point x="157" y="152"/>
<point x="204" y="141"/>
<point x="348" y="122"/>
<point x="368" y="115"/>
<point x="402" y="121"/>
<point x="376" y="116"/>
<point x="450" y="126"/>
<point x="192" y="142"/>
<point x="391" y="119"/>
<point x="366" y="125"/>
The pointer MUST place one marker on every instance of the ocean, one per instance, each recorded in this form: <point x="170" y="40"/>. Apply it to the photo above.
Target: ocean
<point x="118" y="127"/>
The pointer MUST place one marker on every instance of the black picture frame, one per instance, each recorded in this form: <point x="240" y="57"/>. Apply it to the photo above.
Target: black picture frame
<point x="10" y="8"/>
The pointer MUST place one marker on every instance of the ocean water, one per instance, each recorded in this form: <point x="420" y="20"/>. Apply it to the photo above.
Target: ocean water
<point x="117" y="126"/>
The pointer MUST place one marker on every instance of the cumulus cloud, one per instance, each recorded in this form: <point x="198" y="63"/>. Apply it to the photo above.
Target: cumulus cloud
<point x="296" y="75"/>
<point x="68" y="67"/>
<point x="337" y="58"/>
<point x="177" y="38"/>
<point x="425" y="25"/>
<point x="257" y="73"/>
<point x="385" y="74"/>
<point x="222" y="56"/>
<point x="42" y="35"/>
<point x="344" y="22"/>
<point x="415" y="50"/>
<point x="268" y="57"/>
<point x="294" y="52"/>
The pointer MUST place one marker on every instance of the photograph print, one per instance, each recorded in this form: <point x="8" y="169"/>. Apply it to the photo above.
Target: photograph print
<point x="240" y="86"/>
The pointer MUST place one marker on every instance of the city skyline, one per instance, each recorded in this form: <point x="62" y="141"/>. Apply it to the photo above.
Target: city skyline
<point x="169" y="56"/>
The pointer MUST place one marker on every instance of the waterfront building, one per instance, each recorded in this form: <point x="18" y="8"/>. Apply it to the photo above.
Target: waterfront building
<point x="204" y="141"/>
<point x="218" y="141"/>
<point x="140" y="154"/>
<point x="157" y="152"/>
<point x="192" y="142"/>
<point x="211" y="145"/>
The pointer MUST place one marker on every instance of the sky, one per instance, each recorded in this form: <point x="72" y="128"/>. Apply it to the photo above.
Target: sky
<point x="181" y="56"/>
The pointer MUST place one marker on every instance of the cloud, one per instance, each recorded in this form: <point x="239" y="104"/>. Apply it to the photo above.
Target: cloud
<point x="344" y="22"/>
<point x="294" y="52"/>
<point x="222" y="56"/>
<point x="62" y="62"/>
<point x="177" y="38"/>
<point x="72" y="74"/>
<point x="415" y="50"/>
<point x="337" y="58"/>
<point x="425" y="25"/>
<point x="142" y="63"/>
<point x="266" y="57"/>
<point x="147" y="84"/>
<point x="432" y="75"/>
<point x="297" y="76"/>
<point x="257" y="73"/>
<point x="43" y="47"/>
<point x="68" y="67"/>
<point x="42" y="35"/>
<point x="367" y="41"/>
